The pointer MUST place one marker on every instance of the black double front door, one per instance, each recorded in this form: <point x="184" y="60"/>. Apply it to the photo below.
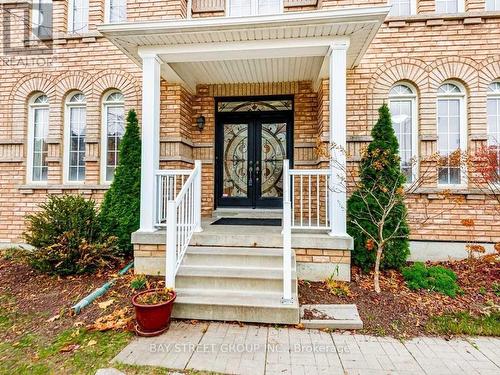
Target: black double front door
<point x="250" y="149"/>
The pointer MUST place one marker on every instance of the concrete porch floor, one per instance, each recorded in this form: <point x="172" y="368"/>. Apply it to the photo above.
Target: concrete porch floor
<point x="258" y="350"/>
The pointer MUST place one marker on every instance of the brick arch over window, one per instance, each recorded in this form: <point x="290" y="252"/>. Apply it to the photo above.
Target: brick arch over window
<point x="126" y="83"/>
<point x="408" y="70"/>
<point x="459" y="68"/>
<point x="21" y="93"/>
<point x="465" y="71"/>
<point x="66" y="84"/>
<point x="489" y="71"/>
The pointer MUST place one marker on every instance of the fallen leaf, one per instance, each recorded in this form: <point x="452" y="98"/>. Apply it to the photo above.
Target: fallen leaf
<point x="69" y="348"/>
<point x="78" y="324"/>
<point x="106" y="304"/>
<point x="91" y="343"/>
<point x="300" y="326"/>
<point x="54" y="318"/>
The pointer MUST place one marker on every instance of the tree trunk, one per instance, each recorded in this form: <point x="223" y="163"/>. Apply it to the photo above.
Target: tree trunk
<point x="376" y="275"/>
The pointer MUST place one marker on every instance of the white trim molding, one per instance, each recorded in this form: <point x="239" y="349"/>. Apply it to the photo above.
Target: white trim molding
<point x="36" y="103"/>
<point x="116" y="103"/>
<point x="404" y="93"/>
<point x="80" y="102"/>
<point x="449" y="92"/>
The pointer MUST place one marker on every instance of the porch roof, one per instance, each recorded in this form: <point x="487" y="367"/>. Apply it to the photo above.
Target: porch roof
<point x="278" y="48"/>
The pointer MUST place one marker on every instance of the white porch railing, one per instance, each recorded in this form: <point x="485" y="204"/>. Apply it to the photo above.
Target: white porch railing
<point x="182" y="215"/>
<point x="305" y="206"/>
<point x="168" y="185"/>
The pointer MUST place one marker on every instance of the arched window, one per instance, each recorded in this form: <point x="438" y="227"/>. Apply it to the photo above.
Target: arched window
<point x="452" y="135"/>
<point x="494" y="126"/>
<point x="38" y="131"/>
<point x="403" y="107"/>
<point x="450" y="6"/>
<point x="76" y="124"/>
<point x="113" y="128"/>
<point x="401" y="8"/>
<point x="116" y="11"/>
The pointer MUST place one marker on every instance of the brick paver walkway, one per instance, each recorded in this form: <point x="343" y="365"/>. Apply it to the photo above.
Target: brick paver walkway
<point x="253" y="350"/>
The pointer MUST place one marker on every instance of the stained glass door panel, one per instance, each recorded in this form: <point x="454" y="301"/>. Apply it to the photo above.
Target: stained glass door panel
<point x="235" y="161"/>
<point x="272" y="154"/>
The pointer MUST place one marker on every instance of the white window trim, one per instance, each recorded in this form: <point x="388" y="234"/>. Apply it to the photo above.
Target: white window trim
<point x="414" y="126"/>
<point x="489" y="10"/>
<point x="71" y="5"/>
<point x="494" y="95"/>
<point x="107" y="11"/>
<point x="460" y="7"/>
<point x="31" y="134"/>
<point x="104" y="134"/>
<point x="462" y="96"/>
<point x="254" y="8"/>
<point x="413" y="9"/>
<point x="67" y="132"/>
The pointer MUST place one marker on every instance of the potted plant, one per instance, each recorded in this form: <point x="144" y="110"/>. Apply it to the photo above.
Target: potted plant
<point x="153" y="308"/>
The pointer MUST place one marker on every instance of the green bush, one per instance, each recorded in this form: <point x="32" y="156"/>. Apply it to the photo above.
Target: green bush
<point x="120" y="210"/>
<point x="66" y="237"/>
<point x="434" y="278"/>
<point x="380" y="176"/>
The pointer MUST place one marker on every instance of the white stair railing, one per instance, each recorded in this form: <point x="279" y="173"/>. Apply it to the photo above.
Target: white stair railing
<point x="183" y="218"/>
<point x="306" y="200"/>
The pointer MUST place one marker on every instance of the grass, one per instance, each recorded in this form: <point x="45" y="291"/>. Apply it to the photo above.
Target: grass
<point x="464" y="323"/>
<point x="25" y="352"/>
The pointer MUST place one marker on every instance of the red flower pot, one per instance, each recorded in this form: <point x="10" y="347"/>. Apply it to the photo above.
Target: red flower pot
<point x="152" y="320"/>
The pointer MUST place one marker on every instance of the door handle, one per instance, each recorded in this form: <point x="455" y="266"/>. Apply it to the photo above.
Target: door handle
<point x="250" y="174"/>
<point x="257" y="171"/>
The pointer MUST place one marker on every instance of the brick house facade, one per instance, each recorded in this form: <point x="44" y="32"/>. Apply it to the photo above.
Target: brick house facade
<point x="424" y="49"/>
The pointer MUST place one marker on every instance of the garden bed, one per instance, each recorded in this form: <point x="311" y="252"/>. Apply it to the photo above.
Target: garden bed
<point x="39" y="332"/>
<point x="401" y="312"/>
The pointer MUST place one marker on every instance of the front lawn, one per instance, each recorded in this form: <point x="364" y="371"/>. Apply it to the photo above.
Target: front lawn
<point x="401" y="312"/>
<point x="38" y="334"/>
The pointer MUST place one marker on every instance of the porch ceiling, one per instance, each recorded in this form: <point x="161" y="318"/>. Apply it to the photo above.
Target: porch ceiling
<point x="278" y="48"/>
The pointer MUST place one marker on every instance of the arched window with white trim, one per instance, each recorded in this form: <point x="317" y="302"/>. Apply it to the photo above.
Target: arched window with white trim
<point x="75" y="132"/>
<point x="494" y="127"/>
<point x="113" y="129"/>
<point x="38" y="131"/>
<point x="116" y="11"/>
<point x="452" y="134"/>
<point x="403" y="107"/>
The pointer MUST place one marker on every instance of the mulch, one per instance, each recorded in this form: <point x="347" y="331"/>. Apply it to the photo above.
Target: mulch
<point x="46" y="300"/>
<point x="401" y="312"/>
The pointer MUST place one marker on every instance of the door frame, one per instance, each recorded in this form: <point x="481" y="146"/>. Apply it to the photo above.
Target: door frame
<point x="250" y="116"/>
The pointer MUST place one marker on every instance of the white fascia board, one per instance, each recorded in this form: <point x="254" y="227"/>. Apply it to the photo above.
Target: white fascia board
<point x="277" y="48"/>
<point x="181" y="26"/>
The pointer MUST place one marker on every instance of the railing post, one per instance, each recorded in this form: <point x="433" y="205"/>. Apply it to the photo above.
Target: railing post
<point x="197" y="196"/>
<point x="171" y="242"/>
<point x="287" y="237"/>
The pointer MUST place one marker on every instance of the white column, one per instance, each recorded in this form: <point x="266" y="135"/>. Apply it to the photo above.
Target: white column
<point x="338" y="165"/>
<point x="150" y="160"/>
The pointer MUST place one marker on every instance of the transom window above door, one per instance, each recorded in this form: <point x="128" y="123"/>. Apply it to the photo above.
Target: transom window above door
<point x="255" y="105"/>
<point x="241" y="8"/>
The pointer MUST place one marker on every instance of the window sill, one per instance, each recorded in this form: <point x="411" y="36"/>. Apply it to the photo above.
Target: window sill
<point x="438" y="192"/>
<point x="397" y="21"/>
<point x="30" y="188"/>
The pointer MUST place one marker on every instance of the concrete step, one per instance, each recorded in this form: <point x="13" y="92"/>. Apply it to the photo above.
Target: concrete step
<point x="206" y="304"/>
<point x="243" y="279"/>
<point x="234" y="256"/>
<point x="248" y="213"/>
